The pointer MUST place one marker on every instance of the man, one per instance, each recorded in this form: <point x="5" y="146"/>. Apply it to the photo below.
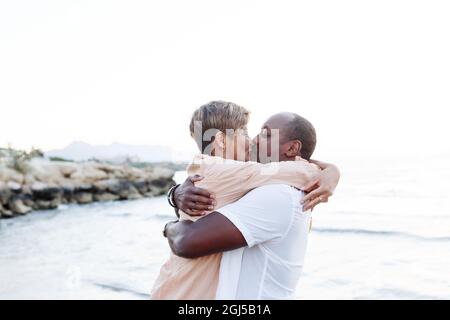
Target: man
<point x="264" y="234"/>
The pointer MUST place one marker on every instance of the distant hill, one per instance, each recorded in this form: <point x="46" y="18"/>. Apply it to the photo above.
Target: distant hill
<point x="117" y="152"/>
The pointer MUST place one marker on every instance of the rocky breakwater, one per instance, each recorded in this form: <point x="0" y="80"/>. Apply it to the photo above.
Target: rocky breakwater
<point x="44" y="184"/>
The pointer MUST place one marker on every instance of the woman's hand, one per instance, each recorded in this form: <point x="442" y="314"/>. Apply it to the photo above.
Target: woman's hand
<point x="192" y="200"/>
<point x="322" y="187"/>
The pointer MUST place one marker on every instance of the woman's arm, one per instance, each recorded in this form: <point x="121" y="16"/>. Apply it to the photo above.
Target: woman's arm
<point x="227" y="181"/>
<point x="322" y="186"/>
<point x="197" y="201"/>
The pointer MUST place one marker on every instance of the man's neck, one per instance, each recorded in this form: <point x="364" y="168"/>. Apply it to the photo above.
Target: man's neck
<point x="285" y="158"/>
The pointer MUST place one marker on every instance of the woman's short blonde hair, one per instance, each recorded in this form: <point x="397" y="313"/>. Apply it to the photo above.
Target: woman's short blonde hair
<point x="218" y="116"/>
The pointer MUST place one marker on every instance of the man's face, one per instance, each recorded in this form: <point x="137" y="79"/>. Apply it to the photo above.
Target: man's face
<point x="270" y="144"/>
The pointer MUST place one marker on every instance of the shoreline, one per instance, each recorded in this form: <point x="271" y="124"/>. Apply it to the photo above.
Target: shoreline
<point x="42" y="184"/>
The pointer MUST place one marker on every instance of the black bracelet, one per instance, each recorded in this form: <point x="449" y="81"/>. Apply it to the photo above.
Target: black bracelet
<point x="170" y="196"/>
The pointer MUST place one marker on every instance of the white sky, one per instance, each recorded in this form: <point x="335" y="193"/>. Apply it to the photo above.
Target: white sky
<point x="373" y="76"/>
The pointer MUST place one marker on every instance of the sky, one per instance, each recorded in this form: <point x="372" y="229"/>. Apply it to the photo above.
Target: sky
<point x="372" y="76"/>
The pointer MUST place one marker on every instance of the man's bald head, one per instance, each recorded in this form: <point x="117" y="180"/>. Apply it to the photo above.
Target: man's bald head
<point x="301" y="129"/>
<point x="293" y="127"/>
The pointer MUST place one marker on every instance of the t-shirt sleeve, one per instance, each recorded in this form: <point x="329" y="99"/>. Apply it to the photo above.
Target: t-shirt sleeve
<point x="263" y="214"/>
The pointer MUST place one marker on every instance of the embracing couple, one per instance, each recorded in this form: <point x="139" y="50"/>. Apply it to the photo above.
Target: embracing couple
<point x="243" y="225"/>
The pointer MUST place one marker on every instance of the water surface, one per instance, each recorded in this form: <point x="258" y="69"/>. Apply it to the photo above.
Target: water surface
<point x="382" y="236"/>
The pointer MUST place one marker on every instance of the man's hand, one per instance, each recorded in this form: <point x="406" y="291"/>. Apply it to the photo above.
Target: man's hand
<point x="322" y="187"/>
<point x="192" y="200"/>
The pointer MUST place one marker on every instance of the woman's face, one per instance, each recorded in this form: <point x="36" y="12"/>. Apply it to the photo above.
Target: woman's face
<point x="238" y="145"/>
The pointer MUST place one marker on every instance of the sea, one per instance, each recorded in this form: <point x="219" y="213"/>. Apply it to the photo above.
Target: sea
<point x="385" y="234"/>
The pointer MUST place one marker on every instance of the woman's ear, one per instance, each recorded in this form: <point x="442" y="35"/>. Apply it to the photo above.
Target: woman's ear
<point x="294" y="149"/>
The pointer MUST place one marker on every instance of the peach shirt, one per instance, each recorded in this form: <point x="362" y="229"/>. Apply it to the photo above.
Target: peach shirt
<point x="229" y="180"/>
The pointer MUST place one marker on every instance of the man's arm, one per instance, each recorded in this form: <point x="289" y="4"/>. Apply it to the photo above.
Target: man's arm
<point x="211" y="234"/>
<point x="261" y="215"/>
<point x="193" y="200"/>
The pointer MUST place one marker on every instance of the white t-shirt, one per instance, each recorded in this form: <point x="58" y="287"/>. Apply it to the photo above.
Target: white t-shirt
<point x="276" y="229"/>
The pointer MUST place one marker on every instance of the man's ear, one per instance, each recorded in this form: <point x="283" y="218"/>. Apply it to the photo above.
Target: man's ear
<point x="294" y="148"/>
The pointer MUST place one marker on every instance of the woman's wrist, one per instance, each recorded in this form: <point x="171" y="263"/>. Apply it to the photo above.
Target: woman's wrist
<point x="171" y="198"/>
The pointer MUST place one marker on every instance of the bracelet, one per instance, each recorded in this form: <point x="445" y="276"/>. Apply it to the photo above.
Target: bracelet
<point x="170" y="196"/>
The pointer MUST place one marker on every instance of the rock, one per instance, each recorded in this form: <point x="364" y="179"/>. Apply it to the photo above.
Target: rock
<point x="88" y="174"/>
<point x="110" y="185"/>
<point x="8" y="174"/>
<point x="141" y="186"/>
<point x="149" y="194"/>
<point x="105" y="197"/>
<point x="114" y="172"/>
<point x="55" y="203"/>
<point x="68" y="190"/>
<point x="83" y="197"/>
<point x="27" y="196"/>
<point x="161" y="182"/>
<point x="28" y="202"/>
<point x="126" y="189"/>
<point x="83" y="187"/>
<point x="159" y="172"/>
<point x="45" y="171"/>
<point x="17" y="206"/>
<point x="122" y="189"/>
<point x="47" y="192"/>
<point x="5" y="193"/>
<point x="135" y="196"/>
<point x="14" y="187"/>
<point x="66" y="170"/>
<point x="5" y="213"/>
<point x="46" y="205"/>
<point x="114" y="186"/>
<point x="156" y="191"/>
<point x="29" y="179"/>
<point x="107" y="168"/>
<point x="133" y="173"/>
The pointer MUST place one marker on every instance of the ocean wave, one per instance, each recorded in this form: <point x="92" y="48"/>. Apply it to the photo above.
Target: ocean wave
<point x="119" y="288"/>
<point x="379" y="233"/>
<point x="396" y="293"/>
<point x="384" y="214"/>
